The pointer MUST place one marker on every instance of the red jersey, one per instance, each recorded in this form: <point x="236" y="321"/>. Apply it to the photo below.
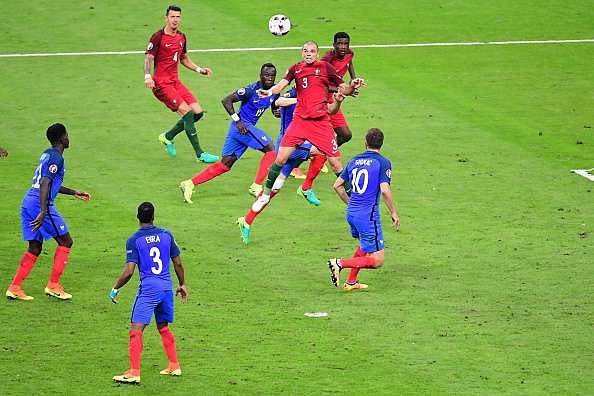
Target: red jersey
<point x="341" y="65"/>
<point x="167" y="50"/>
<point x="312" y="81"/>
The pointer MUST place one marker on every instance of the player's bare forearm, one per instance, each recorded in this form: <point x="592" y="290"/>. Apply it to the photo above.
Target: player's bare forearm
<point x="284" y="102"/>
<point x="228" y="102"/>
<point x="125" y="276"/>
<point x="149" y="61"/>
<point x="276" y="89"/>
<point x="44" y="193"/>
<point x="389" y="201"/>
<point x="66" y="191"/>
<point x="187" y="62"/>
<point x="352" y="71"/>
<point x="340" y="190"/>
<point x="179" y="270"/>
<point x="335" y="106"/>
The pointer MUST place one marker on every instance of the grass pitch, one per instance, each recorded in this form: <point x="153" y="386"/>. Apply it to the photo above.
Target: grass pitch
<point x="486" y="289"/>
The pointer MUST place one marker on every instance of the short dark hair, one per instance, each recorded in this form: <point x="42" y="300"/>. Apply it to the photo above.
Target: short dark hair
<point x="146" y="212"/>
<point x="374" y="138"/>
<point x="172" y="8"/>
<point x="340" y="35"/>
<point x="265" y="65"/>
<point x="55" y="132"/>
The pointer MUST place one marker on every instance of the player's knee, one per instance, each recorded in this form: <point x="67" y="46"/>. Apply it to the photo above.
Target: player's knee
<point x="66" y="241"/>
<point x="198" y="116"/>
<point x="269" y="147"/>
<point x="229" y="160"/>
<point x="379" y="261"/>
<point x="35" y="248"/>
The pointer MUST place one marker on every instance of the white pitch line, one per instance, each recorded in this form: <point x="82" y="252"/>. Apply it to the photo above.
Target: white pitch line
<point x="472" y="43"/>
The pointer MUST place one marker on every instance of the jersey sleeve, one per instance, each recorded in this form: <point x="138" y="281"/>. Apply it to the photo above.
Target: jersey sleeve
<point x="245" y="93"/>
<point x="345" y="174"/>
<point x="174" y="249"/>
<point x="52" y="166"/>
<point x="290" y="75"/>
<point x="132" y="255"/>
<point x="328" y="56"/>
<point x="385" y="175"/>
<point x="333" y="78"/>
<point x="185" y="47"/>
<point x="153" y="45"/>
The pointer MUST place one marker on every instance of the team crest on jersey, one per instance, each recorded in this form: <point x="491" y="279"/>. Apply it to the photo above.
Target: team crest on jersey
<point x="241" y="91"/>
<point x="317" y="71"/>
<point x="389" y="173"/>
<point x="53" y="168"/>
<point x="181" y="44"/>
<point x="150" y="46"/>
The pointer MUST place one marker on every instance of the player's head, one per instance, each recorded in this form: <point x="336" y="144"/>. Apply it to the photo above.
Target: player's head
<point x="57" y="134"/>
<point x="267" y="75"/>
<point x="374" y="139"/>
<point x="310" y="51"/>
<point x="173" y="16"/>
<point x="146" y="213"/>
<point x="342" y="40"/>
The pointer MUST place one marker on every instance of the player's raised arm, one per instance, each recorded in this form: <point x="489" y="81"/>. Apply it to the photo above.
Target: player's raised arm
<point x="389" y="200"/>
<point x="187" y="62"/>
<point x="284" y="102"/>
<point x="335" y="106"/>
<point x="227" y="102"/>
<point x="127" y="273"/>
<point x="340" y="189"/>
<point x="179" y="271"/>
<point x="276" y="89"/>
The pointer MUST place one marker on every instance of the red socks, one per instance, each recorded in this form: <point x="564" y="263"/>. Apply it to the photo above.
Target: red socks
<point x="265" y="163"/>
<point x="135" y="349"/>
<point x="211" y="172"/>
<point x="251" y="215"/>
<point x="60" y="261"/>
<point x="352" y="278"/>
<point x="315" y="166"/>
<point x="169" y="346"/>
<point x="27" y="262"/>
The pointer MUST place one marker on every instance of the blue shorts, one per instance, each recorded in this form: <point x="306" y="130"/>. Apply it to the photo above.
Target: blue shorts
<point x="236" y="143"/>
<point x="368" y="232"/>
<point x="53" y="224"/>
<point x="299" y="155"/>
<point x="158" y="302"/>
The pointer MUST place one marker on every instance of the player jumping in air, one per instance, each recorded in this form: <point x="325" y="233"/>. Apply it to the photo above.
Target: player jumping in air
<point x="311" y="121"/>
<point x="167" y="48"/>
<point x="242" y="133"/>
<point x="304" y="151"/>
<point x="150" y="248"/>
<point x="369" y="175"/>
<point x="40" y="219"/>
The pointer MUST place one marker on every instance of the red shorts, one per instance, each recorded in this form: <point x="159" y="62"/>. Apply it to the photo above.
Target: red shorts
<point x="318" y="131"/>
<point x="338" y="120"/>
<point x="172" y="94"/>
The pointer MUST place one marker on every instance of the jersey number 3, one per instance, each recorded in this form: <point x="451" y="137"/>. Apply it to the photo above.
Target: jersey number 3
<point x="155" y="253"/>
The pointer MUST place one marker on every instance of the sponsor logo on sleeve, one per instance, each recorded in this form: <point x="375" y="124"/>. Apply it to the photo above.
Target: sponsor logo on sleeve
<point x="389" y="173"/>
<point x="241" y="91"/>
<point x="150" y="46"/>
<point x="53" y="168"/>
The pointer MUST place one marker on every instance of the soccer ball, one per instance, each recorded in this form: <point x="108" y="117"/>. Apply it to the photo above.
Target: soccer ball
<point x="279" y="25"/>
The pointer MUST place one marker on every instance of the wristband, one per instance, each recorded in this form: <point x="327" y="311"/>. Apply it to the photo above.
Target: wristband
<point x="147" y="77"/>
<point x="198" y="69"/>
<point x="235" y="117"/>
<point x="113" y="294"/>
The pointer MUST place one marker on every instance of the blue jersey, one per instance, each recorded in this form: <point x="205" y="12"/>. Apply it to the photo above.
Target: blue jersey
<point x="252" y="106"/>
<point x="365" y="172"/>
<point x="51" y="165"/>
<point x="151" y="248"/>
<point x="286" y="112"/>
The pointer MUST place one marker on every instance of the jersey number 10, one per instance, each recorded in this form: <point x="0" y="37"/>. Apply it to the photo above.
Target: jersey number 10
<point x="357" y="175"/>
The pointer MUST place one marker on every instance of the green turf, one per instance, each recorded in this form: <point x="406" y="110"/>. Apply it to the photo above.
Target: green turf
<point x="486" y="289"/>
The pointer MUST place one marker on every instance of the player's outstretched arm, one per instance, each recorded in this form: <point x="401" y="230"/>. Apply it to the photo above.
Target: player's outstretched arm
<point x="228" y="105"/>
<point x="348" y="89"/>
<point x="276" y="89"/>
<point x="284" y="102"/>
<point x="179" y="272"/>
<point x="340" y="190"/>
<point x="82" y="195"/>
<point x="389" y="200"/>
<point x="149" y="63"/>
<point x="335" y="106"/>
<point x="122" y="280"/>
<point x="187" y="62"/>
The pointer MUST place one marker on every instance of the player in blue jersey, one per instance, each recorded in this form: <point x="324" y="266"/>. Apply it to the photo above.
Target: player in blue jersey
<point x="369" y="175"/>
<point x="40" y="220"/>
<point x="150" y="248"/>
<point x="243" y="132"/>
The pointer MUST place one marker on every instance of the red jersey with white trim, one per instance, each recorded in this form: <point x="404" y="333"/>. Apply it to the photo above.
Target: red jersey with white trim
<point x="312" y="82"/>
<point x="340" y="64"/>
<point x="167" y="50"/>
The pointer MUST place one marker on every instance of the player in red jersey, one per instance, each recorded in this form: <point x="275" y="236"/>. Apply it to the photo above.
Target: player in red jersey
<point x="311" y="121"/>
<point x="166" y="49"/>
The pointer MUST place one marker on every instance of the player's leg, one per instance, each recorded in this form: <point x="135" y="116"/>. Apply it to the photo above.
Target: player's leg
<point x="263" y="169"/>
<point x="15" y="292"/>
<point x="190" y="113"/>
<point x="59" y="231"/>
<point x="315" y="166"/>
<point x="164" y="316"/>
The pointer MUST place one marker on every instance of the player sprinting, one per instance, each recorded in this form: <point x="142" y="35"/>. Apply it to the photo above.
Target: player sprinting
<point x="40" y="220"/>
<point x="150" y="248"/>
<point x="166" y="49"/>
<point x="369" y="175"/>
<point x="311" y="121"/>
<point x="287" y="104"/>
<point x="242" y="132"/>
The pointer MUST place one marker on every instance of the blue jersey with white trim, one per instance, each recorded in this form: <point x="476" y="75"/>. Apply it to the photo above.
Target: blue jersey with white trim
<point x="365" y="172"/>
<point x="252" y="106"/>
<point x="151" y="248"/>
<point x="286" y="112"/>
<point x="51" y="165"/>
